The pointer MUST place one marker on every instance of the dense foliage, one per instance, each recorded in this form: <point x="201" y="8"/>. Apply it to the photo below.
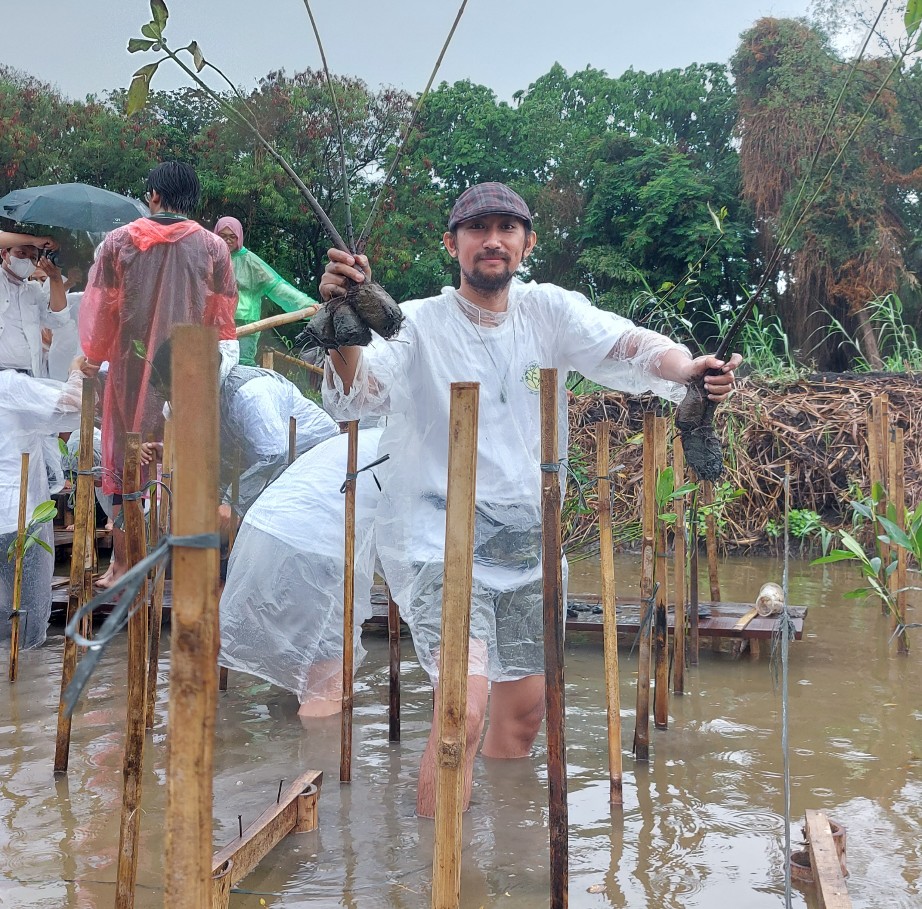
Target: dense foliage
<point x="658" y="194"/>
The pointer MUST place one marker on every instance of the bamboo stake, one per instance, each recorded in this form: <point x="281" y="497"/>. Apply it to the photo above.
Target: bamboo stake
<point x="193" y="681"/>
<point x="17" y="570"/>
<point x="84" y="512"/>
<point x="710" y="538"/>
<point x="553" y="642"/>
<point x="642" y="715"/>
<point x="269" y="360"/>
<point x="609" y="616"/>
<point x="232" y="537"/>
<point x="898" y="580"/>
<point x="393" y="649"/>
<point x="277" y="355"/>
<point x="132" y="767"/>
<point x="678" y="460"/>
<point x="285" y="318"/>
<point x="660" y="625"/>
<point x="693" y="639"/>
<point x="882" y="404"/>
<point x="451" y="718"/>
<point x="156" y="610"/>
<point x="345" y="753"/>
<point x="292" y="439"/>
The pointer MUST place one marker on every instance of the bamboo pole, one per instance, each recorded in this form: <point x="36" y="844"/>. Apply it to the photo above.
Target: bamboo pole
<point x="84" y="511"/>
<point x="21" y="525"/>
<point x="710" y="539"/>
<point x="678" y="462"/>
<point x="553" y="642"/>
<point x="193" y="681"/>
<point x="451" y="718"/>
<point x="642" y="714"/>
<point x="881" y="407"/>
<point x="292" y="440"/>
<point x="277" y="355"/>
<point x="269" y="360"/>
<point x="156" y="610"/>
<point x="693" y="601"/>
<point x="285" y="318"/>
<point x="132" y="767"/>
<point x="898" y="580"/>
<point x="393" y="650"/>
<point x="345" y="751"/>
<point x="660" y="622"/>
<point x="609" y="616"/>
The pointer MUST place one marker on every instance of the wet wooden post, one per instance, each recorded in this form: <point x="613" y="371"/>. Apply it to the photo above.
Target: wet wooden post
<point x="710" y="538"/>
<point x="693" y="600"/>
<point x="642" y="714"/>
<point x="292" y="440"/>
<point x="194" y="650"/>
<point x="21" y="524"/>
<point x="269" y="360"/>
<point x="132" y="767"/>
<point x="609" y="615"/>
<point x="660" y="620"/>
<point x="156" y="605"/>
<point x="678" y="464"/>
<point x="451" y="718"/>
<point x="899" y="579"/>
<point x="393" y="650"/>
<point x="232" y="537"/>
<point x="345" y="751"/>
<point x="660" y="573"/>
<point x="84" y="511"/>
<point x="553" y="641"/>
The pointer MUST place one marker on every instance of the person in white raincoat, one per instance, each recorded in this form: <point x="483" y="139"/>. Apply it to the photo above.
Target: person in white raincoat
<point x="498" y="332"/>
<point x="30" y="409"/>
<point x="282" y="605"/>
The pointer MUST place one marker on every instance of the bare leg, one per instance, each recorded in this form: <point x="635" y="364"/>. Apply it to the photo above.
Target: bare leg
<point x="325" y="684"/>
<point x="119" y="563"/>
<point x="516" y="712"/>
<point x="478" y="689"/>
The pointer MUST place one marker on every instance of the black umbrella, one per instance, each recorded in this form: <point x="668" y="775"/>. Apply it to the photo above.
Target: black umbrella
<point x="76" y="206"/>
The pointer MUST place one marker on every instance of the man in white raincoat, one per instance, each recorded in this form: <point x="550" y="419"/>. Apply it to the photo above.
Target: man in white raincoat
<point x="499" y="332"/>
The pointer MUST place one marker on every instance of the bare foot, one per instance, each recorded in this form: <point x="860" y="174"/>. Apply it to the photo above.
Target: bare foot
<point x="113" y="573"/>
<point x="316" y="707"/>
<point x="109" y="525"/>
<point x="70" y="527"/>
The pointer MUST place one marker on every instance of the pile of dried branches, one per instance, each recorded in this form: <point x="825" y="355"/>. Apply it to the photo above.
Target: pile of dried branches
<point x="818" y="424"/>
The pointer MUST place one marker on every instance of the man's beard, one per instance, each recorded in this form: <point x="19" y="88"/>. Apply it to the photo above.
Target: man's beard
<point x="489" y="284"/>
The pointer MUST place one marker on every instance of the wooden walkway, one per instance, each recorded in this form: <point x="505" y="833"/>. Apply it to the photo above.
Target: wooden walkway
<point x="717" y="620"/>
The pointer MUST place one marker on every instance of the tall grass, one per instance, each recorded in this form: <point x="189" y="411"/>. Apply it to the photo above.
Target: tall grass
<point x="898" y="343"/>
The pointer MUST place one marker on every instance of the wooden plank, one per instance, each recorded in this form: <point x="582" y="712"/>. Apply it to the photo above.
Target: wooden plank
<point x="267" y="831"/>
<point x="824" y="860"/>
<point x="744" y="620"/>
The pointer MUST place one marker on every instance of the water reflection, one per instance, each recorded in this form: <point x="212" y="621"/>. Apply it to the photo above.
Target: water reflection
<point x="701" y="825"/>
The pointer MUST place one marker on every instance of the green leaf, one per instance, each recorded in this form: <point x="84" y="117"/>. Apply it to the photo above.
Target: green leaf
<point x="159" y="11"/>
<point x="913" y="16"/>
<point x="860" y="594"/>
<point x="44" y="545"/>
<point x="852" y="545"/>
<point x="62" y="447"/>
<point x="44" y="512"/>
<point x="198" y="58"/>
<point x="837" y="555"/>
<point x="139" y="349"/>
<point x="715" y="217"/>
<point x="140" y="88"/>
<point x="151" y="30"/>
<point x="139" y="44"/>
<point x="665" y="483"/>
<point x="896" y="534"/>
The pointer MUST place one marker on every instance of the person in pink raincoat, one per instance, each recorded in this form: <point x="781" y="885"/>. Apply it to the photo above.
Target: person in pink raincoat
<point x="152" y="274"/>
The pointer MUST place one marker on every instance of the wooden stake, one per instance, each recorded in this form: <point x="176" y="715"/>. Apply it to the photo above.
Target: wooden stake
<point x="710" y="536"/>
<point x="345" y="752"/>
<point x="193" y="681"/>
<point x="137" y="680"/>
<point x="451" y="718"/>
<point x="292" y="439"/>
<point x="393" y="649"/>
<point x="881" y="405"/>
<point x="269" y="360"/>
<point x="678" y="462"/>
<point x="84" y="513"/>
<point x="609" y="615"/>
<point x="899" y="578"/>
<point x="17" y="570"/>
<point x="642" y="716"/>
<point x="693" y="639"/>
<point x="553" y="643"/>
<point x="660" y="622"/>
<point x="156" y="606"/>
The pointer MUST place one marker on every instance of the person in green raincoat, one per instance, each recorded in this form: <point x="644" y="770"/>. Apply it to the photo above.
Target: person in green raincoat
<point x="255" y="280"/>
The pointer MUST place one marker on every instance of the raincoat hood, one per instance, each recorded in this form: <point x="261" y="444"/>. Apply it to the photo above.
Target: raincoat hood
<point x="234" y="226"/>
<point x="148" y="232"/>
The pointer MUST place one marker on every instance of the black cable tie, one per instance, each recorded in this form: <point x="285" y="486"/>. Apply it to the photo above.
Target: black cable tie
<point x="351" y="477"/>
<point x="550" y="468"/>
<point x="134" y="496"/>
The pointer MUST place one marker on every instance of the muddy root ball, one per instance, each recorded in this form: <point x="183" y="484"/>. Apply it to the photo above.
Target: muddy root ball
<point x="348" y="329"/>
<point x="694" y="420"/>
<point x="375" y="307"/>
<point x="318" y="332"/>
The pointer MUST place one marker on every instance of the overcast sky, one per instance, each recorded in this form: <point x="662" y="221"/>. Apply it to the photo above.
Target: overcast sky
<point x="505" y="44"/>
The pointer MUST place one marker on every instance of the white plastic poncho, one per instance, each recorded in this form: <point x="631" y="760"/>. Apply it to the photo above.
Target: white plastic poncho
<point x="282" y="606"/>
<point x="446" y="339"/>
<point x="30" y="409"/>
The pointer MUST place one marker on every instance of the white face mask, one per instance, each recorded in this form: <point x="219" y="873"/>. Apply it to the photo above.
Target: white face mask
<point x="22" y="268"/>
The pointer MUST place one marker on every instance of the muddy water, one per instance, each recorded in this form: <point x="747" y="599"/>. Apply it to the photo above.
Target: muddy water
<point x="702" y="825"/>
